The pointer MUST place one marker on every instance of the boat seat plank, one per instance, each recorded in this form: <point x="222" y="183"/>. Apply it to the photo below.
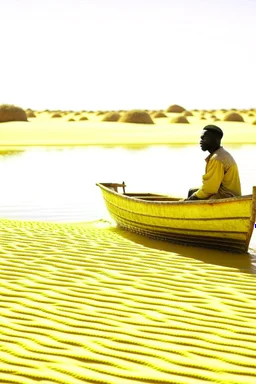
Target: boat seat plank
<point x="156" y="198"/>
<point x="142" y="194"/>
<point x="152" y="197"/>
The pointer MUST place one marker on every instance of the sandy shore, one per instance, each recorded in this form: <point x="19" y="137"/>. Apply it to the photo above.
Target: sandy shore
<point x="83" y="303"/>
<point x="56" y="132"/>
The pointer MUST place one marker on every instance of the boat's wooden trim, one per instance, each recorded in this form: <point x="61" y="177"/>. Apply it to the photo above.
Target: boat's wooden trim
<point x="104" y="186"/>
<point x="179" y="218"/>
<point x="252" y="219"/>
<point x="141" y="194"/>
<point x="115" y="186"/>
<point x="166" y="229"/>
<point x="156" y="198"/>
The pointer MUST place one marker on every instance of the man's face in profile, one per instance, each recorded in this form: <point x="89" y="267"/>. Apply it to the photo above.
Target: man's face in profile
<point x="206" y="140"/>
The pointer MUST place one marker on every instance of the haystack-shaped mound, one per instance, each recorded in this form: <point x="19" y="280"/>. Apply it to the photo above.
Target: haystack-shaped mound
<point x="83" y="118"/>
<point x="111" y="116"/>
<point x="30" y="114"/>
<point x="57" y="115"/>
<point x="77" y="113"/>
<point x="175" y="109"/>
<point x="71" y="119"/>
<point x="157" y="115"/>
<point x="187" y="113"/>
<point x="179" y="119"/>
<point x="99" y="113"/>
<point x="10" y="112"/>
<point x="254" y="122"/>
<point x="233" y="116"/>
<point x="135" y="116"/>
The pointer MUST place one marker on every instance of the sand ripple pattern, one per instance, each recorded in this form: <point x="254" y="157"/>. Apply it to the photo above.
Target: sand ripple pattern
<point x="82" y="304"/>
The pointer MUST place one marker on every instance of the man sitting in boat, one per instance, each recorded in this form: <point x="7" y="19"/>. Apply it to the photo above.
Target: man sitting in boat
<point x="221" y="179"/>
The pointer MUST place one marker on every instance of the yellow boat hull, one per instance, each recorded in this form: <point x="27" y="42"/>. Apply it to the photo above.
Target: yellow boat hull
<point x="225" y="224"/>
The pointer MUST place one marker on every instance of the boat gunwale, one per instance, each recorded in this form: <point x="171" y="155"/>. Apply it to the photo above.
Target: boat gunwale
<point x="180" y="202"/>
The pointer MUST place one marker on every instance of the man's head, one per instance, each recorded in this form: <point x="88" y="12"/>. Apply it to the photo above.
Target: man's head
<point x="210" y="138"/>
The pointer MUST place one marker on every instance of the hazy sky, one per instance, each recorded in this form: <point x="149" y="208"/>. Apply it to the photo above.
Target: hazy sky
<point x="100" y="54"/>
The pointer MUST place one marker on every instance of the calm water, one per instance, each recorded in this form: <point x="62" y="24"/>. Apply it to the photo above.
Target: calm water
<point x="58" y="184"/>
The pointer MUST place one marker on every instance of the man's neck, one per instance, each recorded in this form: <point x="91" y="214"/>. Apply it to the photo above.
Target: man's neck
<point x="214" y="149"/>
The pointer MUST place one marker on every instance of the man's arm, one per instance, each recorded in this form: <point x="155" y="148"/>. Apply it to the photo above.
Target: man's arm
<point x="192" y="197"/>
<point x="211" y="180"/>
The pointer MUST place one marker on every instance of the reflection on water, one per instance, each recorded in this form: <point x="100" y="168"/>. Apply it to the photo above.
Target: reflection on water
<point x="58" y="184"/>
<point x="9" y="152"/>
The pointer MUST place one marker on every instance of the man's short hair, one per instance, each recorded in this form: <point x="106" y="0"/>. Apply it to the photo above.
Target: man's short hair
<point x="216" y="130"/>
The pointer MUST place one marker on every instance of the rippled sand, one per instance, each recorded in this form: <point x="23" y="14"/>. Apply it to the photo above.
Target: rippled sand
<point x="84" y="303"/>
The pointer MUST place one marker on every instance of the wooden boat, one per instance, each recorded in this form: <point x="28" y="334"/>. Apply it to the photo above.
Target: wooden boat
<point x="225" y="224"/>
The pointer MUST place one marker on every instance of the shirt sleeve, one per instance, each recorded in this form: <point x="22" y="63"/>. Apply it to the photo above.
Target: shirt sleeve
<point x="211" y="180"/>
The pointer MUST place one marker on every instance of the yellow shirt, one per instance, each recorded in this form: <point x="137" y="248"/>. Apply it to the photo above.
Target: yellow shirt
<point x="221" y="176"/>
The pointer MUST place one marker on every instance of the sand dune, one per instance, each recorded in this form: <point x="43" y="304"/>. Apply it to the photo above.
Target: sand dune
<point x="45" y="130"/>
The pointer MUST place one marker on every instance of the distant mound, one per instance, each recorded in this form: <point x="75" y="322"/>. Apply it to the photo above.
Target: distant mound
<point x="30" y="114"/>
<point x="187" y="113"/>
<point x="10" y="112"/>
<point x="254" y="122"/>
<point x="179" y="119"/>
<point x="157" y="115"/>
<point x="71" y="119"/>
<point x="175" y="109"/>
<point x="135" y="116"/>
<point x="83" y="118"/>
<point x="111" y="116"/>
<point x="57" y="115"/>
<point x="233" y="116"/>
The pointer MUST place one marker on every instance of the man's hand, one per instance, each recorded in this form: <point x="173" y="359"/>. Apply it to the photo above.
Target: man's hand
<point x="192" y="197"/>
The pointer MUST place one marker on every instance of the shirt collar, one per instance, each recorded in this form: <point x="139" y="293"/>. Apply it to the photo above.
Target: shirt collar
<point x="211" y="154"/>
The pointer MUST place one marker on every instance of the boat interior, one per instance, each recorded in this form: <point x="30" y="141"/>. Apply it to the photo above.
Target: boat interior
<point x="151" y="197"/>
<point x="140" y="196"/>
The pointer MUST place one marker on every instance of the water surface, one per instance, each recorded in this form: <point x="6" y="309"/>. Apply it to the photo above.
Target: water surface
<point x="58" y="184"/>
